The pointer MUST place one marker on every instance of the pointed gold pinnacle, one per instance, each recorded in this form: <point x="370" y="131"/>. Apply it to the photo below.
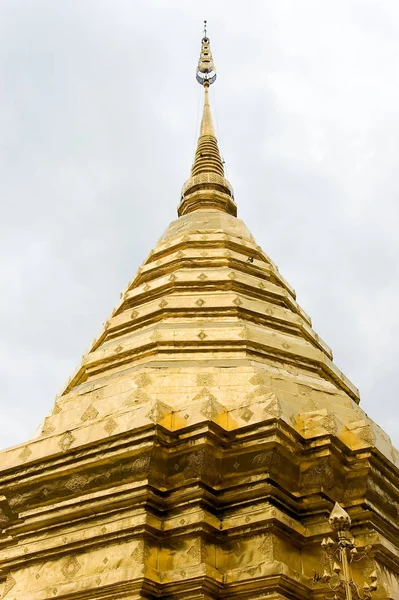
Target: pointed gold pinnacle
<point x="207" y="187"/>
<point x="339" y="518"/>
<point x="206" y="72"/>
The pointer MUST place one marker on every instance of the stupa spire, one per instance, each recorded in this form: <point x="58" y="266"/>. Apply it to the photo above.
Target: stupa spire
<point x="207" y="186"/>
<point x="197" y="449"/>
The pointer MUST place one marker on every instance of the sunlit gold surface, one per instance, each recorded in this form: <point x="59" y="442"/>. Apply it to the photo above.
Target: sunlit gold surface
<point x="202" y="442"/>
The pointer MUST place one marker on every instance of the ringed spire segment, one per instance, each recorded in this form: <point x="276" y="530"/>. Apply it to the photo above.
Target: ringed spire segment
<point x="206" y="71"/>
<point x="207" y="187"/>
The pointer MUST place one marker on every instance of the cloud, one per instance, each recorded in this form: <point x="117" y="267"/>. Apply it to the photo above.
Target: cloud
<point x="99" y="110"/>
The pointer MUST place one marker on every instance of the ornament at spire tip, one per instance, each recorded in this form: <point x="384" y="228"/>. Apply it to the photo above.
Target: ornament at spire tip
<point x="207" y="186"/>
<point x="339" y="518"/>
<point x="206" y="72"/>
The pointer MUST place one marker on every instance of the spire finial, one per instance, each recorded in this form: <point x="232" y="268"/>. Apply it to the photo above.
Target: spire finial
<point x="339" y="518"/>
<point x="206" y="72"/>
<point x="207" y="186"/>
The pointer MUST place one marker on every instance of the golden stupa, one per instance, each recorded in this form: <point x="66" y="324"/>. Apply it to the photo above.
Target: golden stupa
<point x="197" y="451"/>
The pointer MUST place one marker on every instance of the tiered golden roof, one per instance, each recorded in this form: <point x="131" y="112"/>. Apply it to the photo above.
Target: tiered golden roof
<point x="199" y="447"/>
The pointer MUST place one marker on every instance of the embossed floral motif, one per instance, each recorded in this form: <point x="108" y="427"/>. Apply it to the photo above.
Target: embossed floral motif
<point x="310" y="405"/>
<point x="76" y="482"/>
<point x="238" y="549"/>
<point x="210" y="409"/>
<point x="57" y="409"/>
<point x="141" y="552"/>
<point x="158" y="412"/>
<point x="260" y="390"/>
<point x="141" y="464"/>
<point x="202" y="277"/>
<point x="272" y="407"/>
<point x="263" y="459"/>
<point x="366" y="434"/>
<point x="70" y="567"/>
<point x="195" y="550"/>
<point x="143" y="380"/>
<point x="205" y="379"/>
<point x="202" y="462"/>
<point x="320" y="473"/>
<point x="246" y="414"/>
<point x="304" y="390"/>
<point x="110" y="425"/>
<point x="48" y="427"/>
<point x="329" y="423"/>
<point x="138" y="553"/>
<point x="66" y="441"/>
<point x="25" y="454"/>
<point x="257" y="380"/>
<point x="89" y="414"/>
<point x="163" y="303"/>
<point x="266" y="547"/>
<point x="202" y="335"/>
<point x="137" y="397"/>
<point x="195" y="463"/>
<point x="200" y="302"/>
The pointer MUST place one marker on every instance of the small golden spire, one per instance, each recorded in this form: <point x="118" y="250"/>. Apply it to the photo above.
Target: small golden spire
<point x="339" y="518"/>
<point x="207" y="187"/>
<point x="206" y="72"/>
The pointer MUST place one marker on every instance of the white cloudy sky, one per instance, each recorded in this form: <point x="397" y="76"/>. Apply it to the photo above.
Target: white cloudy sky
<point x="98" y="119"/>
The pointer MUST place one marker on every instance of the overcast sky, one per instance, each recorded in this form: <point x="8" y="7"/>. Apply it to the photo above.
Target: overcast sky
<point x="98" y="122"/>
